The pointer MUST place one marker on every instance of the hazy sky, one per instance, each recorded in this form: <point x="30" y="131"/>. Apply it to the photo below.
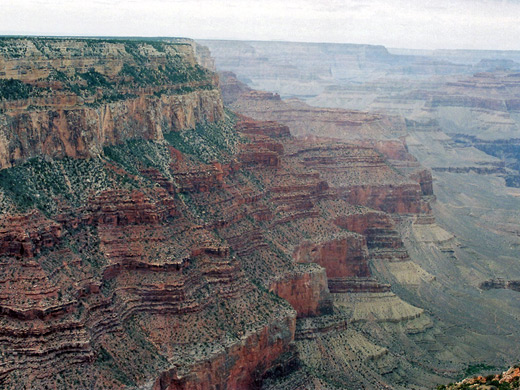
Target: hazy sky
<point x="470" y="24"/>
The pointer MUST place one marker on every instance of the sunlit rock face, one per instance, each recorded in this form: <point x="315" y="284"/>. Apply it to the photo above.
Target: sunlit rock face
<point x="150" y="238"/>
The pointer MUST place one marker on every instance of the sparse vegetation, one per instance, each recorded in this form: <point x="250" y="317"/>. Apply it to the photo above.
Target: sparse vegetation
<point x="11" y="89"/>
<point x="173" y="74"/>
<point x="505" y="381"/>
<point x="477" y="368"/>
<point x="207" y="142"/>
<point x="40" y="183"/>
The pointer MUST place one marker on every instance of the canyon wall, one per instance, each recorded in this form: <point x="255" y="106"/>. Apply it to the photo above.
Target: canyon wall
<point x="88" y="94"/>
<point x="456" y="113"/>
<point x="151" y="239"/>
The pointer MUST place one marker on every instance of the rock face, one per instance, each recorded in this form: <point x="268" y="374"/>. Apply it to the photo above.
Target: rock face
<point x="157" y="241"/>
<point x="242" y="366"/>
<point x="306" y="290"/>
<point x="324" y="122"/>
<point x="342" y="257"/>
<point x="53" y="132"/>
<point x="456" y="112"/>
<point x="91" y="94"/>
<point x="26" y="235"/>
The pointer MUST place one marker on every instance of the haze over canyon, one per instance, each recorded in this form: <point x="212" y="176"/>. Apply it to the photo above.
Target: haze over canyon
<point x="180" y="214"/>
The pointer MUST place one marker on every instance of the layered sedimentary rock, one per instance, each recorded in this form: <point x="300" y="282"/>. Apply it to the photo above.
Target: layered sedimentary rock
<point x="240" y="366"/>
<point x="73" y="97"/>
<point x="55" y="132"/>
<point x="190" y="248"/>
<point x="304" y="70"/>
<point x="341" y="257"/>
<point x="365" y="178"/>
<point x="464" y="128"/>
<point x="306" y="290"/>
<point x="325" y="122"/>
<point x="25" y="235"/>
<point x="383" y="240"/>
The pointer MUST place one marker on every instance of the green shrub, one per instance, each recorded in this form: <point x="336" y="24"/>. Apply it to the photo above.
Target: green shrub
<point x="11" y="89"/>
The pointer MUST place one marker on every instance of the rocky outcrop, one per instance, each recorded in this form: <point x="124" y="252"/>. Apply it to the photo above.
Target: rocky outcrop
<point x="364" y="178"/>
<point x="261" y="153"/>
<point x="231" y="87"/>
<point x="506" y="150"/>
<point x="121" y="208"/>
<point x="26" y="235"/>
<point x="55" y="132"/>
<point x="402" y="200"/>
<point x="266" y="128"/>
<point x="425" y="180"/>
<point x="383" y="239"/>
<point x="34" y="59"/>
<point x="239" y="366"/>
<point x="507" y="379"/>
<point x="324" y="122"/>
<point x="342" y="257"/>
<point x="202" y="179"/>
<point x="396" y="152"/>
<point x="306" y="290"/>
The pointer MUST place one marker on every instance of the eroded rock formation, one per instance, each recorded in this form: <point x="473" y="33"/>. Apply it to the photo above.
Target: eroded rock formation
<point x="159" y="241"/>
<point x="73" y="97"/>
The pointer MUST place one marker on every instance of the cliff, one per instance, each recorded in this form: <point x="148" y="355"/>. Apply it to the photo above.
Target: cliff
<point x="160" y="241"/>
<point x="308" y="120"/>
<point x="463" y="130"/>
<point x="74" y="97"/>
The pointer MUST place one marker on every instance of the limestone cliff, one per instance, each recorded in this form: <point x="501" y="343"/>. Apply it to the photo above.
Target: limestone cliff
<point x="73" y="97"/>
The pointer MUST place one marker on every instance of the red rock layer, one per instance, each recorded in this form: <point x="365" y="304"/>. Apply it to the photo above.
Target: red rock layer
<point x="120" y="208"/>
<point x="396" y="152"/>
<point x="202" y="179"/>
<point x="231" y="87"/>
<point x="342" y="257"/>
<point x="265" y="128"/>
<point x="241" y="366"/>
<point x="307" y="292"/>
<point x="383" y="240"/>
<point x="25" y="235"/>
<point x="363" y="177"/>
<point x="173" y="256"/>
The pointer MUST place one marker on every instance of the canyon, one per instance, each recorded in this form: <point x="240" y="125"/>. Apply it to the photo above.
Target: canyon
<point x="454" y="111"/>
<point x="164" y="227"/>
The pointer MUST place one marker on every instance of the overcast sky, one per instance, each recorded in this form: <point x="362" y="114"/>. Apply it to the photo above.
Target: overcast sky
<point x="419" y="24"/>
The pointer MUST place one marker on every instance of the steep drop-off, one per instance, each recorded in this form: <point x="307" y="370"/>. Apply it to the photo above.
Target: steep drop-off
<point x="151" y="239"/>
<point x="446" y="255"/>
<point x="74" y="97"/>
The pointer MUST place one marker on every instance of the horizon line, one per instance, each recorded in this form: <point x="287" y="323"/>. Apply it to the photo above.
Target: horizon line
<point x="158" y="37"/>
